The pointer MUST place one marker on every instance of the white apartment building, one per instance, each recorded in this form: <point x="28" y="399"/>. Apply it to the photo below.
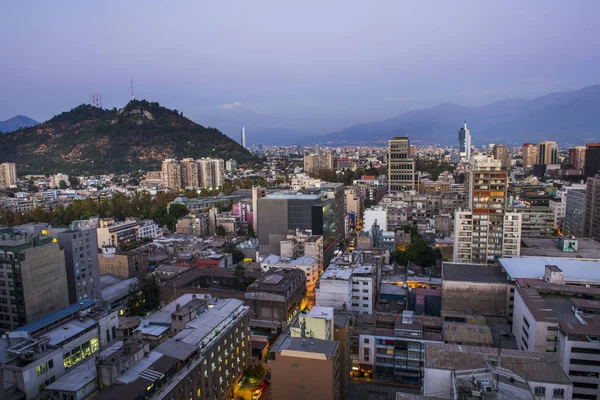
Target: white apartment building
<point x="148" y="229"/>
<point x="363" y="289"/>
<point x="8" y="175"/>
<point x="348" y="288"/>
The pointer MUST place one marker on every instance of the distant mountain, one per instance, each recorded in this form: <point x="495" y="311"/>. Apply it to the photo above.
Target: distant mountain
<point x="16" y="122"/>
<point x="568" y="117"/>
<point x="93" y="140"/>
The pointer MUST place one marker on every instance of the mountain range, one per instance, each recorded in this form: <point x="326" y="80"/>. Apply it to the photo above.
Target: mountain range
<point x="92" y="140"/>
<point x="16" y="122"/>
<point x="570" y="118"/>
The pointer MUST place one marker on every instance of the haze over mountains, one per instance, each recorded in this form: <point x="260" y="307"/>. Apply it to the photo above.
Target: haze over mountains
<point x="570" y="118"/>
<point x="16" y="122"/>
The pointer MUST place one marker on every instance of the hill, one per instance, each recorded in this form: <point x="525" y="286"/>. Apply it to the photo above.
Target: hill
<point x="93" y="141"/>
<point x="566" y="117"/>
<point x="16" y="122"/>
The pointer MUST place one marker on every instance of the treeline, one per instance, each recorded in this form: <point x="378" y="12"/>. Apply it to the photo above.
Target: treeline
<point x="119" y="206"/>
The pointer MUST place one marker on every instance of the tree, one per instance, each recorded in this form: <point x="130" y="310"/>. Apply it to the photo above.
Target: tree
<point x="418" y="252"/>
<point x="221" y="231"/>
<point x="251" y="232"/>
<point x="144" y="294"/>
<point x="62" y="184"/>
<point x="178" y="210"/>
<point x="239" y="276"/>
<point x="255" y="373"/>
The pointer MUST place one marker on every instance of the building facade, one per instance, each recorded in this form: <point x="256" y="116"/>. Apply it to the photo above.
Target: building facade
<point x="530" y="154"/>
<point x="592" y="160"/>
<point x="464" y="142"/>
<point x="577" y="157"/>
<point x="8" y="175"/>
<point x="591" y="217"/>
<point x="547" y="153"/>
<point x="574" y="211"/>
<point x="401" y="166"/>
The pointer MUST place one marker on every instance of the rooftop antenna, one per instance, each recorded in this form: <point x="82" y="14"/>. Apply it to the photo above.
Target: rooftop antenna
<point x="132" y="97"/>
<point x="100" y="101"/>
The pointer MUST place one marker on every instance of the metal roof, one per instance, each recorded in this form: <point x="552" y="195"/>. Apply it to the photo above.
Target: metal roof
<point x="56" y="316"/>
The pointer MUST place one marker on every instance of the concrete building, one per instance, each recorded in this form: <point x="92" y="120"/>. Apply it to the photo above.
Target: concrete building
<point x="459" y="372"/>
<point x="375" y="215"/>
<point x="547" y="153"/>
<point x="574" y="212"/>
<point x="577" y="157"/>
<point x="371" y="188"/>
<point x="299" y="243"/>
<point x="473" y="290"/>
<point x="401" y="166"/>
<point x="309" y="265"/>
<point x="592" y="160"/>
<point x="464" y="142"/>
<point x="335" y="192"/>
<point x="148" y="229"/>
<point x="487" y="231"/>
<point x="502" y="153"/>
<point x="33" y="280"/>
<point x="190" y="174"/>
<point x="8" y="175"/>
<point x="536" y="221"/>
<point x="196" y="225"/>
<point x="530" y="154"/>
<point x="231" y="165"/>
<point x="123" y="264"/>
<point x="591" y="216"/>
<point x="313" y="163"/>
<point x="171" y="174"/>
<point x="81" y="260"/>
<point x="118" y="234"/>
<point x="277" y="295"/>
<point x="212" y="172"/>
<point x="348" y="288"/>
<point x="305" y="369"/>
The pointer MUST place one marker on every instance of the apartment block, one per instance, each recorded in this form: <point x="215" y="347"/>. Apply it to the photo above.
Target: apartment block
<point x="118" y="234"/>
<point x="401" y="166"/>
<point x="123" y="264"/>
<point x="313" y="163"/>
<point x="8" y="175"/>
<point x="502" y="153"/>
<point x="530" y="154"/>
<point x="547" y="153"/>
<point x="577" y="157"/>
<point x="592" y="160"/>
<point x="591" y="216"/>
<point x="574" y="212"/>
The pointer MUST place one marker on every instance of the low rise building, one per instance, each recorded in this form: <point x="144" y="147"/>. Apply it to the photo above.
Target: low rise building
<point x="118" y="234"/>
<point x="123" y="264"/>
<point x="309" y="265"/>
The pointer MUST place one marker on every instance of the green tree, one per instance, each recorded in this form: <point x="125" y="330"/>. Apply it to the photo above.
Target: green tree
<point x="178" y="210"/>
<point x="62" y="184"/>
<point x="221" y="231"/>
<point x="144" y="294"/>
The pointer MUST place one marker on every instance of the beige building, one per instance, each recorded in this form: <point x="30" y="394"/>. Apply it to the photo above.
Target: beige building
<point x="123" y="264"/>
<point x="171" y="174"/>
<point x="530" y="154"/>
<point x="315" y="162"/>
<point x="577" y="157"/>
<point x="502" y="153"/>
<point x="305" y="368"/>
<point x="547" y="153"/>
<point x="401" y="166"/>
<point x="211" y="172"/>
<point x="189" y="173"/>
<point x="8" y="175"/>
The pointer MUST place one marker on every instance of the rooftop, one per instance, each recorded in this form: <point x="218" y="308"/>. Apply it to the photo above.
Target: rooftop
<point x="473" y="273"/>
<point x="275" y="280"/>
<point x="56" y="316"/>
<point x="117" y="291"/>
<point x="574" y="270"/>
<point x="293" y="347"/>
<point x="539" y="367"/>
<point x="548" y="247"/>
<point x="336" y="272"/>
<point x="320" y="312"/>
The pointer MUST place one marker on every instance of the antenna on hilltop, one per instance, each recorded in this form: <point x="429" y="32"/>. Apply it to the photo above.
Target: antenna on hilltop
<point x="132" y="97"/>
<point x="100" y="101"/>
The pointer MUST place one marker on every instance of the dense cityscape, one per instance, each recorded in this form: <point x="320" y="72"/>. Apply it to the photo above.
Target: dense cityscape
<point x="316" y="200"/>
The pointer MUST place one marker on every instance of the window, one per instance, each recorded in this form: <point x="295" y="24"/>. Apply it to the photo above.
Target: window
<point x="558" y="393"/>
<point x="366" y="340"/>
<point x="539" y="391"/>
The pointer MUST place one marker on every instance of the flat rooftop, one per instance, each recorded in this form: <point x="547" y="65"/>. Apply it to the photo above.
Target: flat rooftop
<point x="291" y="346"/>
<point x="574" y="270"/>
<point x="117" y="291"/>
<point x="320" y="312"/>
<point x="56" y="316"/>
<point x="473" y="273"/>
<point x="336" y="272"/>
<point x="540" y="367"/>
<point x="548" y="247"/>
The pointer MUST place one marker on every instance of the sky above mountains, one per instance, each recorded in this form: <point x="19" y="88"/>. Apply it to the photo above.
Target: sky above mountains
<point x="311" y="66"/>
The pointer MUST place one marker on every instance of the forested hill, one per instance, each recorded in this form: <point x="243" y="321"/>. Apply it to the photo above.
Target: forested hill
<point x="91" y="140"/>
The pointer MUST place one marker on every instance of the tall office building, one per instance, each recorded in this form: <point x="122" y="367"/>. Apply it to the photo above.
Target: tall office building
<point x="464" y="142"/>
<point x="502" y="153"/>
<point x="401" y="166"/>
<point x="547" y="153"/>
<point x="592" y="160"/>
<point x="81" y="260"/>
<point x="530" y="154"/>
<point x="211" y="172"/>
<point x="170" y="173"/>
<point x="577" y="157"/>
<point x="486" y="232"/>
<point x="243" y="139"/>
<point x="32" y="278"/>
<point x="8" y="175"/>
<point x="591" y="216"/>
<point x="189" y="173"/>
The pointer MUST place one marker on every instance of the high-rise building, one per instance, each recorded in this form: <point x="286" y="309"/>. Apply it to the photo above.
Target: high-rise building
<point x="592" y="160"/>
<point x="577" y="157"/>
<point x="591" y="217"/>
<point x="486" y="232"/>
<point x="171" y="174"/>
<point x="212" y="172"/>
<point x="8" y="175"/>
<point x="81" y="259"/>
<point x="502" y="153"/>
<point x="574" y="211"/>
<point x="189" y="173"/>
<point x="530" y="154"/>
<point x="315" y="162"/>
<point x="401" y="166"/>
<point x="464" y="142"/>
<point x="547" y="153"/>
<point x="243" y="139"/>
<point x="33" y="278"/>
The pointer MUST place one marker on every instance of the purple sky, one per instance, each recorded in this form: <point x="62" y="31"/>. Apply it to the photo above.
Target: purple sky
<point x="315" y="66"/>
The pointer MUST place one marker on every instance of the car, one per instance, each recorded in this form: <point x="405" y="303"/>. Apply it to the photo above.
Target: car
<point x="257" y="394"/>
<point x="262" y="385"/>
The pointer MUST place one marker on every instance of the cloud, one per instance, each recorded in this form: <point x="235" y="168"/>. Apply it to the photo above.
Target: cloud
<point x="259" y="112"/>
<point x="231" y="106"/>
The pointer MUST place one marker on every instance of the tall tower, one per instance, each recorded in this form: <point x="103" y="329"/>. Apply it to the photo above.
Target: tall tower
<point x="547" y="153"/>
<point x="464" y="142"/>
<point x="243" y="141"/>
<point x="401" y="166"/>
